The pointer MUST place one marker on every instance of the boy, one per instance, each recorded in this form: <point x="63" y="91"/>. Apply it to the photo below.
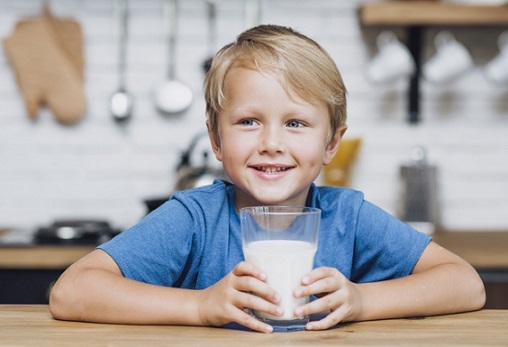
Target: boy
<point x="276" y="112"/>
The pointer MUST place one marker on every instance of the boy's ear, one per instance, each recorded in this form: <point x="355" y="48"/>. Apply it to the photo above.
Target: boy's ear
<point x="333" y="145"/>
<point x="215" y="142"/>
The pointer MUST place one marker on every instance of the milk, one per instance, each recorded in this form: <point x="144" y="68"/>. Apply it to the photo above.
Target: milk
<point x="285" y="262"/>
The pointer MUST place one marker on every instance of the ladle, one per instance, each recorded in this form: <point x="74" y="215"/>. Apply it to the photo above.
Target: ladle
<point x="172" y="96"/>
<point x="122" y="102"/>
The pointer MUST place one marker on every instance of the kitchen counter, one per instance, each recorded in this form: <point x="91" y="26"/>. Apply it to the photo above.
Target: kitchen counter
<point x="31" y="271"/>
<point x="28" y="271"/>
<point x="41" y="257"/>
<point x="483" y="250"/>
<point x="32" y="325"/>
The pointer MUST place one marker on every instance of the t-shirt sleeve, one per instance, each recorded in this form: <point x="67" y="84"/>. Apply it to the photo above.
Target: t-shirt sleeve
<point x="157" y="249"/>
<point x="385" y="247"/>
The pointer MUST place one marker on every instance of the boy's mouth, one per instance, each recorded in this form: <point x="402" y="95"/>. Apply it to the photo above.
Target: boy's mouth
<point x="272" y="169"/>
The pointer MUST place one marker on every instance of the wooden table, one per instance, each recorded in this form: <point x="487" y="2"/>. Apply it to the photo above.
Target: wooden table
<point x="32" y="325"/>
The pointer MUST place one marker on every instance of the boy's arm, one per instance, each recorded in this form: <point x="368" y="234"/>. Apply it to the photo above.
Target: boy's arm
<point x="441" y="282"/>
<point x="94" y="289"/>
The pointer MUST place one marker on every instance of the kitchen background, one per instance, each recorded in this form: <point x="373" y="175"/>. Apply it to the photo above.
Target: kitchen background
<point x="99" y="169"/>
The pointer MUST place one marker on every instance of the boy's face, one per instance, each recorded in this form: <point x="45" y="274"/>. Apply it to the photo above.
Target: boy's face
<point x="272" y="146"/>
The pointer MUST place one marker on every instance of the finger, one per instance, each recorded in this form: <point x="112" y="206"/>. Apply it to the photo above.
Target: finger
<point x="321" y="273"/>
<point x="329" y="321"/>
<point x="250" y="322"/>
<point x="261" y="289"/>
<point x="247" y="269"/>
<point x="324" y="304"/>
<point x="318" y="288"/>
<point x="332" y="301"/>
<point x="257" y="303"/>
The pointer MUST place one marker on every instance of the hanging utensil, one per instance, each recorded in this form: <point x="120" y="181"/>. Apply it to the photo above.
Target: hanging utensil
<point x="212" y="32"/>
<point x="172" y="96"/>
<point x="122" y="102"/>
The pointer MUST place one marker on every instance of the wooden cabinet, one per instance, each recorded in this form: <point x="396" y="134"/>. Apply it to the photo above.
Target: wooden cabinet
<point x="27" y="286"/>
<point x="488" y="253"/>
<point x="28" y="273"/>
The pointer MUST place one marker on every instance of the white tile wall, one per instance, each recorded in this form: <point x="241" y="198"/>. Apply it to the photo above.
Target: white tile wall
<point x="96" y="169"/>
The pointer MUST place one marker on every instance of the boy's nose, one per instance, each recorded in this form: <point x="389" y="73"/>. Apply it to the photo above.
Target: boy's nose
<point x="272" y="140"/>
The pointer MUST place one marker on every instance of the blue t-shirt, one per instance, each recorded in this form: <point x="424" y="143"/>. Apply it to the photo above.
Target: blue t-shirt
<point x="193" y="240"/>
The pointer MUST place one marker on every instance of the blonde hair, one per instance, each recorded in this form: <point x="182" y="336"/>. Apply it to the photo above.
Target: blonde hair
<point x="299" y="63"/>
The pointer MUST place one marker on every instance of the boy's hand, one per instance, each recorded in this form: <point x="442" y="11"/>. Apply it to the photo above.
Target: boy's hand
<point x="336" y="294"/>
<point x="243" y="287"/>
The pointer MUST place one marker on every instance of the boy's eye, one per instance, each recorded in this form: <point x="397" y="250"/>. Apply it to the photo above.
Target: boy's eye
<point x="247" y="122"/>
<point x="294" y="124"/>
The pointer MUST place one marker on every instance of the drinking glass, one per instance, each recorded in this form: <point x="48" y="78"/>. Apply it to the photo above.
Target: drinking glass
<point x="282" y="242"/>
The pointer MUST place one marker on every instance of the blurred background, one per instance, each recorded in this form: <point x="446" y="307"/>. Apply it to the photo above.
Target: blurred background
<point x="94" y="167"/>
<point x="92" y="137"/>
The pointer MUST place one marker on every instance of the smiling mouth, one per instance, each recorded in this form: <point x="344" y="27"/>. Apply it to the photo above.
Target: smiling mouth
<point x="272" y="169"/>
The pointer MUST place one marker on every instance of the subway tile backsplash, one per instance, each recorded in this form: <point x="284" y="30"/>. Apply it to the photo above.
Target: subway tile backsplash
<point x="98" y="169"/>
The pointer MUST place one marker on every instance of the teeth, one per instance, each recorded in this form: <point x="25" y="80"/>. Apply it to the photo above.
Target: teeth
<point x="271" y="170"/>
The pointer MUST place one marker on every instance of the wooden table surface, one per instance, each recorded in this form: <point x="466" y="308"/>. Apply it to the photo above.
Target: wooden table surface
<point x="32" y="325"/>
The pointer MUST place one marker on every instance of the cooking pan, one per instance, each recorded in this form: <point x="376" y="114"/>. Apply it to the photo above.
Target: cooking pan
<point x="75" y="231"/>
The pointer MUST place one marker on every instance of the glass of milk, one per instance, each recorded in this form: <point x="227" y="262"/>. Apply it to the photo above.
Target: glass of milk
<point x="281" y="241"/>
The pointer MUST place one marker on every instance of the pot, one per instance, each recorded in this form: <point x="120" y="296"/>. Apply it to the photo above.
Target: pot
<point x="75" y="231"/>
<point x="193" y="170"/>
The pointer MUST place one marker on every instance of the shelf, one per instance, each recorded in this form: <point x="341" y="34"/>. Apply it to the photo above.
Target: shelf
<point x="414" y="16"/>
<point x="429" y="13"/>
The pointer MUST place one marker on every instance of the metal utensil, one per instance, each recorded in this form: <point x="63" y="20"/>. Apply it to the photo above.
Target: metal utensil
<point x="172" y="96"/>
<point x="418" y="200"/>
<point x="212" y="32"/>
<point x="122" y="102"/>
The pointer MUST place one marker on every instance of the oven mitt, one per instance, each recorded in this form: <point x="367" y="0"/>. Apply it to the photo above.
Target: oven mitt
<point x="46" y="54"/>
<point x="68" y="34"/>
